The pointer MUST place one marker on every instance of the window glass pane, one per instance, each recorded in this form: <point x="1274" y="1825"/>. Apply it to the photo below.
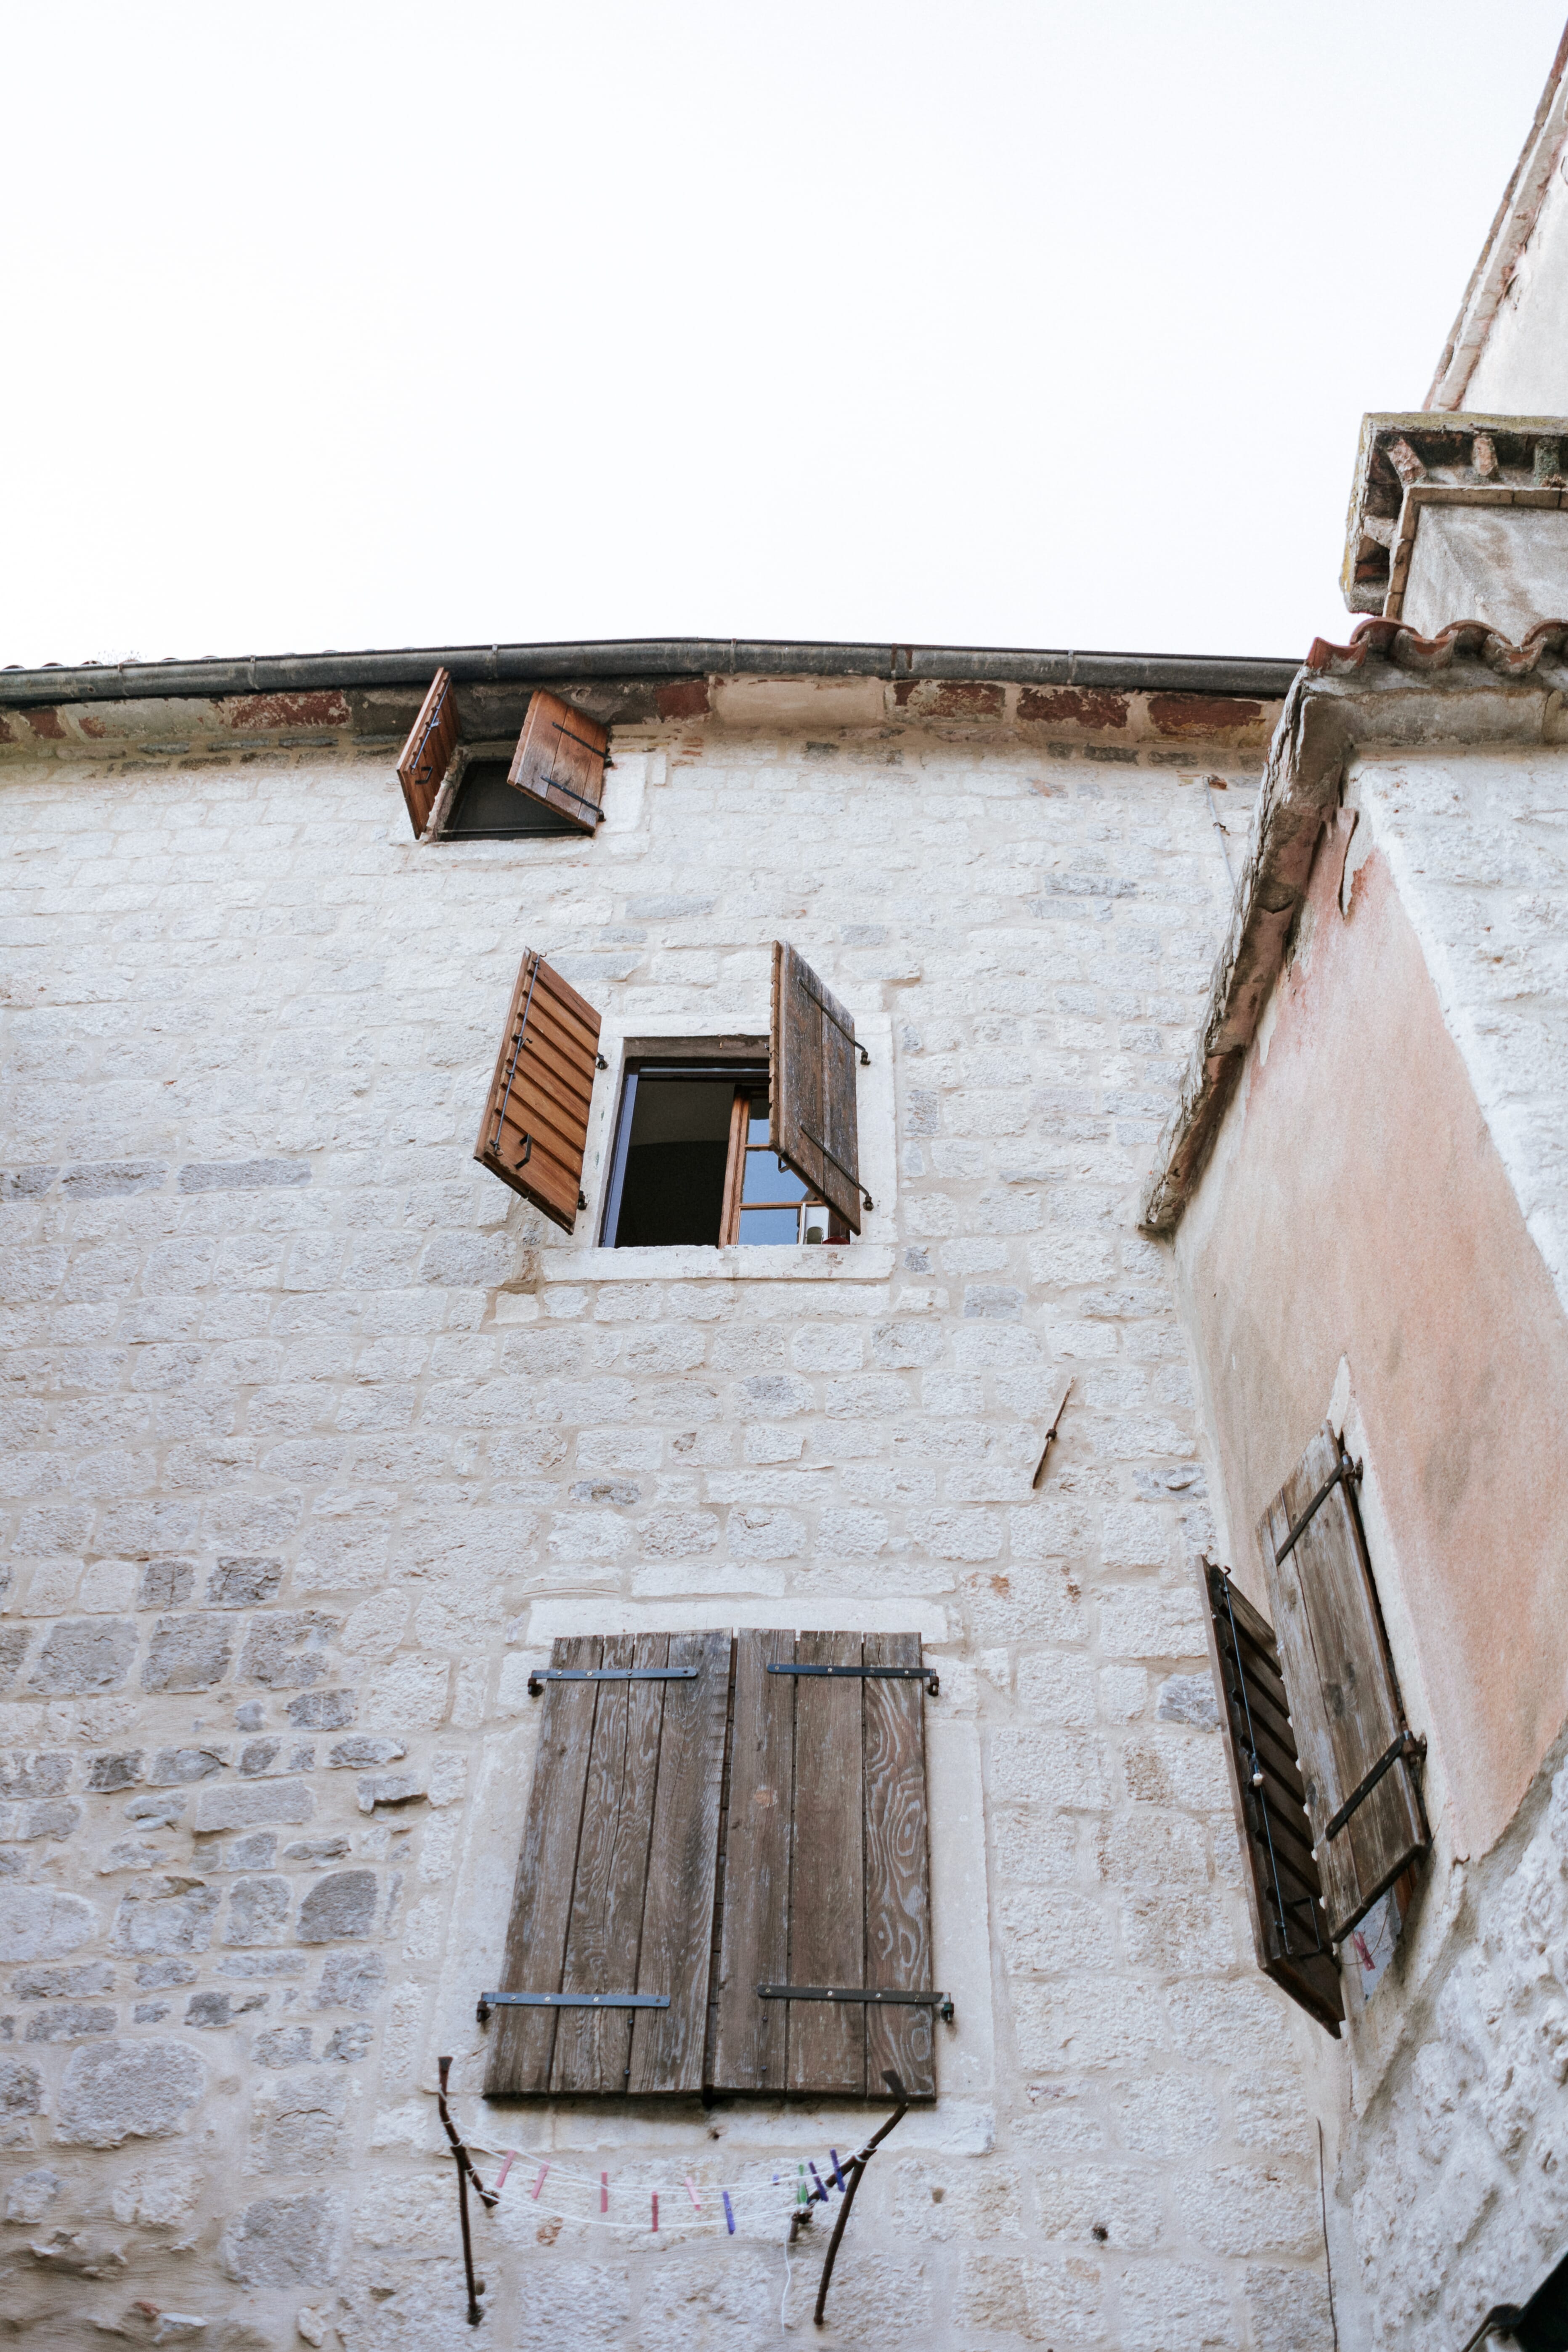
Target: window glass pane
<point x="674" y="1184"/>
<point x="766" y="1181"/>
<point x="758" y="1132"/>
<point x="770" y="1224"/>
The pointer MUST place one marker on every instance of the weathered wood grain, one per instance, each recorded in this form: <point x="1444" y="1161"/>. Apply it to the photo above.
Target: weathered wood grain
<point x="678" y="1918"/>
<point x="897" y="1868"/>
<point x="827" y="2049"/>
<point x="751" y="2034"/>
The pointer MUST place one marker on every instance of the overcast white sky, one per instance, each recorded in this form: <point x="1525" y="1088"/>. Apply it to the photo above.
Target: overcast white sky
<point x="1003" y="324"/>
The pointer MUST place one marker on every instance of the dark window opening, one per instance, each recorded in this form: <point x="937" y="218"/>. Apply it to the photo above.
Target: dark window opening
<point x="692" y="1164"/>
<point x="485" y="807"/>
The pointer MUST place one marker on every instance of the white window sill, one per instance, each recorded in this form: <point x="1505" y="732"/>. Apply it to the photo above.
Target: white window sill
<point x="789" y="1262"/>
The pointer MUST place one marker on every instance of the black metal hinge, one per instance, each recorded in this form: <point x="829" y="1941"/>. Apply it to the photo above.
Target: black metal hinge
<point x="543" y="1674"/>
<point x="489" y="2000"/>
<point x="940" y="2002"/>
<point x="1345" y="1469"/>
<point x="879" y="1673"/>
<point x="1407" y="1744"/>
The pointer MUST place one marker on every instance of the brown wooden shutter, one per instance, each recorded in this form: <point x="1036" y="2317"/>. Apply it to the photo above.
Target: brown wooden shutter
<point x="615" y="1880"/>
<point x="826" y="1871"/>
<point x="423" y="762"/>
<point x="813" y="1058"/>
<point x="1283" y="1891"/>
<point x="1357" y="1753"/>
<point x="559" y="760"/>
<point x="535" y="1126"/>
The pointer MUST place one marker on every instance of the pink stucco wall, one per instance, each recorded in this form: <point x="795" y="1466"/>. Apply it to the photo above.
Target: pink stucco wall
<point x="1356" y="1206"/>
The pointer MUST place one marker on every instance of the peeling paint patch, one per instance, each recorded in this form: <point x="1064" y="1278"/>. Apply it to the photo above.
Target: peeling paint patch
<point x="932" y="698"/>
<point x="248" y="713"/>
<point x="1072" y="706"/>
<point x="687" y="698"/>
<point x="1202" y="714"/>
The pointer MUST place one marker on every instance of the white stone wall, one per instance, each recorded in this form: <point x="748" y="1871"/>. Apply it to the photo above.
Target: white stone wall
<point x="315" y="1437"/>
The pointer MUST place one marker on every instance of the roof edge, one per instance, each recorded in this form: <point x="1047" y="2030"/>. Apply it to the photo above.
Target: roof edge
<point x="661" y="658"/>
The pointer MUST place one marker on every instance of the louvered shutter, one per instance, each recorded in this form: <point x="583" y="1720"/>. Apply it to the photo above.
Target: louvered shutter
<point x="559" y="760"/>
<point x="535" y="1126"/>
<point x="1283" y="1891"/>
<point x="1357" y="1754"/>
<point x="812" y="1122"/>
<point x="423" y="762"/>
<point x="827" y="1878"/>
<point x="616" y="1879"/>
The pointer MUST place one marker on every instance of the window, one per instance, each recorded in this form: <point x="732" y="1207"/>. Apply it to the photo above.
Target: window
<point x="1323" y="1762"/>
<point x="693" y="1162"/>
<point x="553" y="782"/>
<point x="730" y="1834"/>
<point x="753" y="1149"/>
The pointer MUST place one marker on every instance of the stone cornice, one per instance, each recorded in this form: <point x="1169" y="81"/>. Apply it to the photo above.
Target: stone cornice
<point x="1406" y="461"/>
<point x="1387" y="688"/>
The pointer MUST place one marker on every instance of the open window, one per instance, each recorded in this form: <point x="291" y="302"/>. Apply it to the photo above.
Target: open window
<point x="693" y="1162"/>
<point x="723" y="1883"/>
<point x="551" y="783"/>
<point x="746" y="1146"/>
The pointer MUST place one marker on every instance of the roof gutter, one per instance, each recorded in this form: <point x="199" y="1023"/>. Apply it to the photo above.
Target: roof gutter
<point x="663" y="659"/>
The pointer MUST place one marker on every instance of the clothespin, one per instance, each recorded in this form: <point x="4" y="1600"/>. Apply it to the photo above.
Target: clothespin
<point x="729" y="2212"/>
<point x="656" y="2212"/>
<point x="691" y="2192"/>
<point x="818" y="2177"/>
<point x="539" y="2183"/>
<point x="508" y="2162"/>
<point x="837" y="2171"/>
<point x="603" y="2193"/>
<point x="801" y="2196"/>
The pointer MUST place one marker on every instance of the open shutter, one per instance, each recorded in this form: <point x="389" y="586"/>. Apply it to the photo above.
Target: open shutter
<point x="826" y="1870"/>
<point x="423" y="762"/>
<point x="615" y="1880"/>
<point x="559" y="760"/>
<point x="813" y="1060"/>
<point x="1283" y="1890"/>
<point x="535" y="1127"/>
<point x="1357" y="1753"/>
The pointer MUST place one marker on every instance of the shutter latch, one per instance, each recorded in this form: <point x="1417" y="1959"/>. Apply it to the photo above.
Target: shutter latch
<point x="940" y="2002"/>
<point x="1407" y="1744"/>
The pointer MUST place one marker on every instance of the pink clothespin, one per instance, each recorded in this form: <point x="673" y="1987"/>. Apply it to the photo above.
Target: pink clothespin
<point x="656" y="2211"/>
<point x="539" y="2182"/>
<point x="603" y="2193"/>
<point x="506" y="2168"/>
<point x="691" y="2192"/>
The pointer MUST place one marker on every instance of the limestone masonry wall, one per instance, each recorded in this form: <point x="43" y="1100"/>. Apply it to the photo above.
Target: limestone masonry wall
<point x="315" y="1436"/>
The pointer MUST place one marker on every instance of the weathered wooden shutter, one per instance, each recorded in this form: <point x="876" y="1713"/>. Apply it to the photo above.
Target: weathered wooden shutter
<point x="535" y="1126"/>
<point x="615" y="1880"/>
<point x="826" y="1871"/>
<point x="559" y="760"/>
<point x="812" y="1123"/>
<point x="425" y="757"/>
<point x="1283" y="1890"/>
<point x="1357" y="1753"/>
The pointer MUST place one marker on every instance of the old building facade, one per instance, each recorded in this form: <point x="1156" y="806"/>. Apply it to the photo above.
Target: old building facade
<point x="325" y="1445"/>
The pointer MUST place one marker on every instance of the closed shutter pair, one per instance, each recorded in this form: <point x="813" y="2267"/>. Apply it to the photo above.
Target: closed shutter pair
<point x="535" y="1126"/>
<point x="560" y="759"/>
<point x="1328" y="1805"/>
<point x="710" y="1814"/>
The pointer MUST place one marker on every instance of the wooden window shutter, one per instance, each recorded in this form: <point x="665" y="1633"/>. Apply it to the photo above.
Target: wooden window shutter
<point x="1357" y="1753"/>
<point x="423" y="762"/>
<point x="1283" y="1890"/>
<point x="559" y="760"/>
<point x="535" y="1126"/>
<point x="813" y="1056"/>
<point x="615" y="1880"/>
<point x="827" y="1878"/>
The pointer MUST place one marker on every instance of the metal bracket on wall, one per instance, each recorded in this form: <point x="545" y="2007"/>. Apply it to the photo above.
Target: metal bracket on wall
<point x="869" y="1673"/>
<point x="940" y="2002"/>
<point x="543" y="1674"/>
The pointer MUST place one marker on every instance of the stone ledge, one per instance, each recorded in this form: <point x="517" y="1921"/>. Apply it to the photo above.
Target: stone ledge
<point x="811" y="1262"/>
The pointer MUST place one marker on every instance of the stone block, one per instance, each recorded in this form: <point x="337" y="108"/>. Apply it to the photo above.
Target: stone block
<point x="258" y="1911"/>
<point x="285" y="1651"/>
<point x="37" y="1923"/>
<point x="283" y="2241"/>
<point x="364" y="1753"/>
<point x="164" y="1914"/>
<point x="231" y="1808"/>
<point x="244" y="1583"/>
<point x="21" y="2098"/>
<point x="118" y="2091"/>
<point x="390" y="1789"/>
<point x="300" y="2128"/>
<point x="343" y="1904"/>
<point x="43" y="1774"/>
<point x="84" y="1655"/>
<point x="178" y="1767"/>
<point x="188" y="1653"/>
<point x="323" y="1710"/>
<point x="350" y="1981"/>
<point x="165" y="1583"/>
<point x="70" y="2020"/>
